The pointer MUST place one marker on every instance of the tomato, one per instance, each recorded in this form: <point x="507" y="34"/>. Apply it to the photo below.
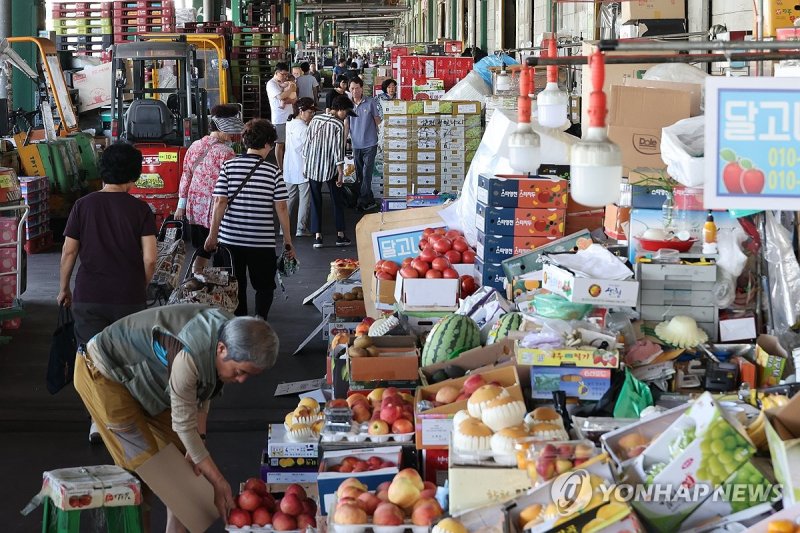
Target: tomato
<point x="428" y="254"/>
<point x="433" y="274"/>
<point x="440" y="263"/>
<point x="423" y="243"/>
<point x="406" y="261"/>
<point x="409" y="272"/>
<point x="452" y="234"/>
<point x="420" y="266"/>
<point x="460" y="244"/>
<point x="453" y="256"/>
<point x="450" y="273"/>
<point x="433" y="237"/>
<point x="390" y="267"/>
<point x="384" y="275"/>
<point x="378" y="265"/>
<point x="468" y="257"/>
<point x="442" y="245"/>
<point x="440" y="231"/>
<point x="468" y="285"/>
<point x="427" y="231"/>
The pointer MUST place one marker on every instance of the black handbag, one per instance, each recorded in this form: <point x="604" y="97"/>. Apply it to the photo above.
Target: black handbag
<point x="63" y="348"/>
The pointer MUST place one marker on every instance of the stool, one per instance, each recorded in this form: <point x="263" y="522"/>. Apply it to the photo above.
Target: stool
<point x="67" y="492"/>
<point x="126" y="519"/>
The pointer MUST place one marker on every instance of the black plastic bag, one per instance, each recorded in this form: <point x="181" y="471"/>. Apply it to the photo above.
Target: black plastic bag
<point x="63" y="348"/>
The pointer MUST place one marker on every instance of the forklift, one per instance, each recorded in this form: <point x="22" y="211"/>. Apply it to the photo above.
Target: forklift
<point x="159" y="107"/>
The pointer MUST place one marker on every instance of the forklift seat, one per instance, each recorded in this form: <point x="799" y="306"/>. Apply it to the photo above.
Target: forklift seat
<point x="148" y="118"/>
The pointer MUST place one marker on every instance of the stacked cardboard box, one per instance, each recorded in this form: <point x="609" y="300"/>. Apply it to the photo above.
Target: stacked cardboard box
<point x="516" y="214"/>
<point x="428" y="77"/>
<point x="427" y="147"/>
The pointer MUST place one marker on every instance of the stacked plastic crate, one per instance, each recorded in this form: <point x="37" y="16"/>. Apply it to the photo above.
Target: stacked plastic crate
<point x="35" y="193"/>
<point x="84" y="28"/>
<point x="135" y="17"/>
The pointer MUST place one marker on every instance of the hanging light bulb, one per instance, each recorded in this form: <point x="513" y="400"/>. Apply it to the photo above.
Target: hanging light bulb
<point x="503" y="81"/>
<point x="553" y="103"/>
<point x="524" y="145"/>
<point x="596" y="162"/>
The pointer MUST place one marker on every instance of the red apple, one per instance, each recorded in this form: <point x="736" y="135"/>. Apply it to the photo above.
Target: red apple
<point x="305" y="521"/>
<point x="732" y="177"/>
<point x="473" y="383"/>
<point x="283" y="522"/>
<point x="256" y="485"/>
<point x="239" y="518"/>
<point x="297" y="490"/>
<point x="261" y="517"/>
<point x="249" y="500"/>
<point x="752" y="181"/>
<point x="309" y="507"/>
<point x="291" y="505"/>
<point x="391" y="413"/>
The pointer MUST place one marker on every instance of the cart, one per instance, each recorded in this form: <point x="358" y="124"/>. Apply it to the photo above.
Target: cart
<point x="19" y="268"/>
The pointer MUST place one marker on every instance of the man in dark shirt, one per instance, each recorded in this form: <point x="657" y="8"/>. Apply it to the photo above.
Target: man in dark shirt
<point x="114" y="235"/>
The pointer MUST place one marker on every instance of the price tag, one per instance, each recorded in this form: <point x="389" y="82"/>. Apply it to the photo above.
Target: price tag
<point x="436" y="431"/>
<point x="6" y="181"/>
<point x="168" y="157"/>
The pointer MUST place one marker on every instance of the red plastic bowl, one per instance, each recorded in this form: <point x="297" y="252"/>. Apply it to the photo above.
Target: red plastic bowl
<point x="654" y="245"/>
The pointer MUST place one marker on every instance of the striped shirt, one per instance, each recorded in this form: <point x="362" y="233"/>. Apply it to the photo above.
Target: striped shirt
<point x="250" y="219"/>
<point x="324" y="147"/>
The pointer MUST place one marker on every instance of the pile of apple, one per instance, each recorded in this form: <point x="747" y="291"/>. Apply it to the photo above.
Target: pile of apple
<point x="406" y="496"/>
<point x="439" y="250"/>
<point x="451" y="394"/>
<point x="354" y="464"/>
<point x="255" y="506"/>
<point x="386" y="409"/>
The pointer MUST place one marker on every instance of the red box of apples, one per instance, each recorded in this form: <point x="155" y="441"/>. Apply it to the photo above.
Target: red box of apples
<point x="258" y="510"/>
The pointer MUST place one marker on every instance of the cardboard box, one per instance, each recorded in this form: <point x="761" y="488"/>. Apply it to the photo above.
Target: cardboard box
<point x="328" y="482"/>
<point x="779" y="14"/>
<point x="477" y="486"/>
<point x="581" y="383"/>
<point x="615" y="222"/>
<point x="635" y="120"/>
<point x="783" y="436"/>
<point x="490" y="274"/>
<point x="94" y="86"/>
<point x="278" y="445"/>
<point x="424" y="294"/>
<point x="349" y="309"/>
<point x="527" y="222"/>
<point x="434" y="426"/>
<point x="420" y="322"/>
<point x="643" y="197"/>
<point x="287" y="478"/>
<point x="636" y="10"/>
<point x="695" y="90"/>
<point x="585" y="220"/>
<point x="495" y="248"/>
<point x="569" y="357"/>
<point x="435" y="466"/>
<point x="532" y="261"/>
<point x="599" y="292"/>
<point x="398" y="360"/>
<point x="522" y="191"/>
<point x="384" y="293"/>
<point x="770" y="360"/>
<point x="484" y="356"/>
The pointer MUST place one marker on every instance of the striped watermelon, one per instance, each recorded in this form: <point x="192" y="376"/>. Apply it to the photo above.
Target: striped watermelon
<point x="449" y="337"/>
<point x="507" y="323"/>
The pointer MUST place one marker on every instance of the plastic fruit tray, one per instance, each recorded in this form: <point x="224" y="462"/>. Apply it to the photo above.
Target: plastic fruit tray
<point x="366" y="437"/>
<point x="655" y="245"/>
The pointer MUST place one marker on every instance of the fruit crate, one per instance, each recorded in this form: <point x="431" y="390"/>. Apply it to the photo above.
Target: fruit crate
<point x="99" y="29"/>
<point x="84" y="43"/>
<point x="267" y="28"/>
<point x="39" y="244"/>
<point x="150" y="20"/>
<point x="257" y="39"/>
<point x="144" y="4"/>
<point x="138" y="29"/>
<point x="209" y="27"/>
<point x="81" y="10"/>
<point x="266" y="53"/>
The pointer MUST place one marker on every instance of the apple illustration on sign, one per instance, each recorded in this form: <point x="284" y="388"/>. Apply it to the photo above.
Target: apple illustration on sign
<point x="739" y="175"/>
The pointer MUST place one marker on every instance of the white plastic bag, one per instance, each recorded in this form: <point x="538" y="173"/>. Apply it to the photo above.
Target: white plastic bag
<point x="682" y="150"/>
<point x="470" y="88"/>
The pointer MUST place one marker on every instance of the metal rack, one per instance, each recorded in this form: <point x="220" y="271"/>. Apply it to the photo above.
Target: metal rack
<point x="16" y="309"/>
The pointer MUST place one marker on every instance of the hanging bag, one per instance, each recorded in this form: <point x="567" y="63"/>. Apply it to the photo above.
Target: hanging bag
<point x="63" y="349"/>
<point x="219" y="286"/>
<point x="171" y="254"/>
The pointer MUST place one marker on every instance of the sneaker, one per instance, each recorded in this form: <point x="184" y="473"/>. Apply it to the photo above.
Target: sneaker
<point x="94" y="434"/>
<point x="342" y="241"/>
<point x="318" y="242"/>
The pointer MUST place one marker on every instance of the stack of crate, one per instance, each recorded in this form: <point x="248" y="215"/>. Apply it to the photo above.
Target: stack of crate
<point x="266" y="14"/>
<point x="254" y="53"/>
<point x="35" y="193"/>
<point x="136" y="17"/>
<point x="83" y="28"/>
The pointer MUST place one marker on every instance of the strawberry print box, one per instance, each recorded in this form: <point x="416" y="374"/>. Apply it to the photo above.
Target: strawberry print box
<point x="522" y="191"/>
<point x="520" y="222"/>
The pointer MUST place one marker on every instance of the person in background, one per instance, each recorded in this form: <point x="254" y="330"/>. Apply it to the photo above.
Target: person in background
<point x="340" y="89"/>
<point x="359" y="63"/>
<point x="352" y="70"/>
<point x="340" y="68"/>
<point x="388" y="90"/>
<point x="314" y="72"/>
<point x="323" y="153"/>
<point x="246" y="226"/>
<point x="114" y="235"/>
<point x="307" y="85"/>
<point x="296" y="182"/>
<point x="364" y="137"/>
<point x="280" y="93"/>
<point x="149" y="378"/>
<point x="200" y="170"/>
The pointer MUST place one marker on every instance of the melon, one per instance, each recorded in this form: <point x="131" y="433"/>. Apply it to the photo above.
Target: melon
<point x="507" y="323"/>
<point x="449" y="337"/>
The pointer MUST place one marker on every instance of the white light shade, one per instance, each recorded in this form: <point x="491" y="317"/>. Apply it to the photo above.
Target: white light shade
<point x="503" y="82"/>
<point x="553" y="107"/>
<point x="524" y="149"/>
<point x="595" y="170"/>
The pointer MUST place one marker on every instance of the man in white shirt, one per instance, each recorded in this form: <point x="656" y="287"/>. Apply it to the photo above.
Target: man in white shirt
<point x="280" y="92"/>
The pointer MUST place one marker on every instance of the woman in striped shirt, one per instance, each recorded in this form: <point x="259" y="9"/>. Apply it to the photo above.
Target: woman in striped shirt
<point x="324" y="163"/>
<point x="244" y="223"/>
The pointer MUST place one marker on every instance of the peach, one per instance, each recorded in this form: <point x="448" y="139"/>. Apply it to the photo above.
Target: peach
<point x="378" y="427"/>
<point x="360" y="466"/>
<point x="429" y="491"/>
<point x="355" y="398"/>
<point x="296" y="489"/>
<point x="402" y="425"/>
<point x="361" y="413"/>
<point x="447" y="394"/>
<point x="383" y="495"/>
<point x="348" y="514"/>
<point x="473" y="383"/>
<point x="283" y="522"/>
<point x="350" y="482"/>
<point x="403" y="492"/>
<point x="388" y="514"/>
<point x="351" y="492"/>
<point x="383" y="486"/>
<point x="309" y="507"/>
<point x="413" y="476"/>
<point x="370" y="502"/>
<point x="425" y="512"/>
<point x="261" y="517"/>
<point x="305" y="521"/>
<point x="374" y="462"/>
<point x="347" y="501"/>
<point x="291" y="505"/>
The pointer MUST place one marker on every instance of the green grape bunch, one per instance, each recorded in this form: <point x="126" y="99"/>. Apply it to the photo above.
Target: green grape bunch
<point x="723" y="450"/>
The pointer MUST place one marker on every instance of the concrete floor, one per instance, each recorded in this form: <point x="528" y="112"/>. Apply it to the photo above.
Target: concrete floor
<point x="40" y="432"/>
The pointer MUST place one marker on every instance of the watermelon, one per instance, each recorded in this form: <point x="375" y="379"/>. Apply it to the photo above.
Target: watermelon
<point x="507" y="323"/>
<point x="449" y="337"/>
